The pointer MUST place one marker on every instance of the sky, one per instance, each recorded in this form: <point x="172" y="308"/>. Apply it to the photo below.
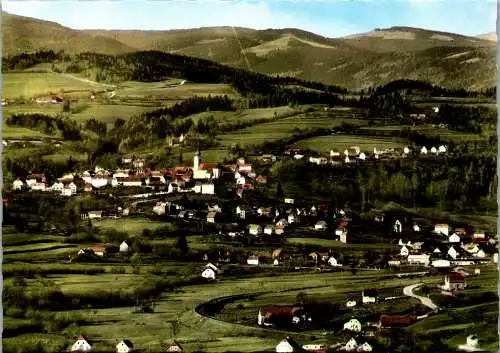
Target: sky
<point x="330" y="18"/>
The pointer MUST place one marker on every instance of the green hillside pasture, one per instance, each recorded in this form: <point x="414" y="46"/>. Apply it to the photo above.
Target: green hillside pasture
<point x="24" y="84"/>
<point x="340" y="142"/>
<point x="132" y="226"/>
<point x="55" y="252"/>
<point x="444" y="134"/>
<point x="109" y="113"/>
<point x="452" y="326"/>
<point x="161" y="90"/>
<point x="21" y="133"/>
<point x="246" y="115"/>
<point x="194" y="332"/>
<point x="277" y="130"/>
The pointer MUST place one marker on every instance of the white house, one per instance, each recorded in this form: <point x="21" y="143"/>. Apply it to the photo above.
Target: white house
<point x="365" y="347"/>
<point x="423" y="150"/>
<point x="351" y="345"/>
<point x="159" y="208"/>
<point x="57" y="186"/>
<point x="347" y="160"/>
<point x="293" y="218"/>
<point x="17" y="184"/>
<point x="454" y="238"/>
<point x="416" y="228"/>
<point x="333" y="261"/>
<point x="369" y="296"/>
<point x="269" y="229"/>
<point x="362" y="156"/>
<point x="99" y="182"/>
<point x="320" y="225"/>
<point x="441" y="263"/>
<point x="208" y="189"/>
<point x="404" y="251"/>
<point x="350" y="303"/>
<point x="452" y="253"/>
<point x="95" y="214"/>
<point x="282" y="223"/>
<point x="314" y="347"/>
<point x="434" y="150"/>
<point x="398" y="227"/>
<point x="208" y="273"/>
<point x="353" y="325"/>
<point x="38" y="186"/>
<point x="495" y="258"/>
<point x="124" y="247"/>
<point x="287" y="345"/>
<point x="442" y="229"/>
<point x="81" y="345"/>
<point x="253" y="260"/>
<point x="471" y="344"/>
<point x="406" y="150"/>
<point x="124" y="346"/>
<point x="422" y="259"/>
<point x="437" y="251"/>
<point x="442" y="149"/>
<point x="334" y="154"/>
<point x="255" y="229"/>
<point x="289" y="201"/>
<point x="480" y="254"/>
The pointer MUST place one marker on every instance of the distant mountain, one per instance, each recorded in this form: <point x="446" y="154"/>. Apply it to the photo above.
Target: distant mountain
<point x="358" y="61"/>
<point x="25" y="34"/>
<point x="492" y="36"/>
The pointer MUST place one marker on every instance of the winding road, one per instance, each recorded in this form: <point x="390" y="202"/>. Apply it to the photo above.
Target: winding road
<point x="408" y="291"/>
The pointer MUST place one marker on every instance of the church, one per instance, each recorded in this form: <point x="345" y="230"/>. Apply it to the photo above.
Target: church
<point x="204" y="171"/>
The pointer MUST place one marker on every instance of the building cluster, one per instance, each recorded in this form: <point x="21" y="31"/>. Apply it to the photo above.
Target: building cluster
<point x="353" y="155"/>
<point x="82" y="344"/>
<point x="200" y="178"/>
<point x="448" y="247"/>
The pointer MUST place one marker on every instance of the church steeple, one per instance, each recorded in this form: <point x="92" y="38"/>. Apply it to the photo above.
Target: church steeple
<point x="197" y="158"/>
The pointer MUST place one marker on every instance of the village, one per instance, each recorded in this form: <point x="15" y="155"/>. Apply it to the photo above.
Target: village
<point x="452" y="252"/>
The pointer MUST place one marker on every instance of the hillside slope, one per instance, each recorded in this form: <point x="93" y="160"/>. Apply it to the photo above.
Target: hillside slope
<point x="24" y="34"/>
<point x="356" y="62"/>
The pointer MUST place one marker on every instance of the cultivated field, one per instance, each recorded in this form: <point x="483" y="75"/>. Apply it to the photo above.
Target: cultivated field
<point x="27" y="85"/>
<point x="340" y="142"/>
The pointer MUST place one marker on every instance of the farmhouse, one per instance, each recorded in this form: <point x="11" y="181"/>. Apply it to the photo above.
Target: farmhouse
<point x="442" y="229"/>
<point x="420" y="259"/>
<point x="369" y="296"/>
<point x="454" y="281"/>
<point x="423" y="150"/>
<point x="271" y="315"/>
<point x="471" y="344"/>
<point x="81" y="345"/>
<point x="255" y="229"/>
<point x="351" y="302"/>
<point x="398" y="227"/>
<point x="404" y="251"/>
<point x="253" y="260"/>
<point x="38" y="186"/>
<point x="17" y="184"/>
<point x="124" y="346"/>
<point x="454" y="238"/>
<point x="452" y="253"/>
<point x="320" y="226"/>
<point x="333" y="262"/>
<point x="269" y="229"/>
<point x="293" y="217"/>
<point x="99" y="250"/>
<point x="264" y="211"/>
<point x="350" y="346"/>
<point x="365" y="347"/>
<point x="174" y="347"/>
<point x="95" y="214"/>
<point x="208" y="273"/>
<point x="353" y="325"/>
<point x="289" y="201"/>
<point x="395" y="320"/>
<point x="416" y="228"/>
<point x="288" y="345"/>
<point x="211" y="216"/>
<point x="124" y="247"/>
<point x="282" y="223"/>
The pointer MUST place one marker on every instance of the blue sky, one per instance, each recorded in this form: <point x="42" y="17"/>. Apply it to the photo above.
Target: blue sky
<point x="331" y="18"/>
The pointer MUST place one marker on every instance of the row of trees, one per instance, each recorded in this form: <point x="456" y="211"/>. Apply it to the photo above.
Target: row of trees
<point x="47" y="124"/>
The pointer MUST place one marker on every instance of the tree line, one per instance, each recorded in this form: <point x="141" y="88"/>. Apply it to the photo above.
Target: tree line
<point x="48" y="124"/>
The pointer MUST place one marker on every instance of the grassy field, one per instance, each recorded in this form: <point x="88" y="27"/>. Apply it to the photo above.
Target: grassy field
<point x="132" y="226"/>
<point x="341" y="142"/>
<point x="245" y="115"/>
<point x="258" y="134"/>
<point x="162" y="90"/>
<point x="21" y="133"/>
<point x="15" y="85"/>
<point x="444" y="134"/>
<point x="108" y="113"/>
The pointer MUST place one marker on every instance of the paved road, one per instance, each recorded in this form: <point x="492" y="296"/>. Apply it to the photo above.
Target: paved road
<point x="408" y="291"/>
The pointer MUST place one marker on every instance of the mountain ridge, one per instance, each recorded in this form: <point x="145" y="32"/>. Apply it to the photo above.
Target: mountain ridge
<point x="359" y="61"/>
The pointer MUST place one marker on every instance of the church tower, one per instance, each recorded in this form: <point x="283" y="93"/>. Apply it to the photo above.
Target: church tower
<point x="197" y="159"/>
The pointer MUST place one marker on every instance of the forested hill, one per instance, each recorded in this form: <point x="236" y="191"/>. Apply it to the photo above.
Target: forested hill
<point x="355" y="62"/>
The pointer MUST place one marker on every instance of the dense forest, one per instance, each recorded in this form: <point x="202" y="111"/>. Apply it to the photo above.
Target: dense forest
<point x="47" y="124"/>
